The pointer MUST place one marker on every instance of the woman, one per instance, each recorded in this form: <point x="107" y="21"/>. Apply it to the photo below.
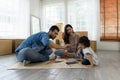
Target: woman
<point x="69" y="37"/>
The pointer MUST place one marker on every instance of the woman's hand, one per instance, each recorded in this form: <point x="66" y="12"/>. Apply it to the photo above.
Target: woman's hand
<point x="79" y="47"/>
<point x="65" y="51"/>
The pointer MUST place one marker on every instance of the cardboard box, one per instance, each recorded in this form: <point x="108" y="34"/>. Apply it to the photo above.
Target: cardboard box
<point x="18" y="42"/>
<point x="5" y="47"/>
<point x="93" y="45"/>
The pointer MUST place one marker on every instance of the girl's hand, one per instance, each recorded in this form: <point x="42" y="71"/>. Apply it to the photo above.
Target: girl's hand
<point x="90" y="66"/>
<point x="90" y="59"/>
<point x="79" y="59"/>
<point x="78" y="52"/>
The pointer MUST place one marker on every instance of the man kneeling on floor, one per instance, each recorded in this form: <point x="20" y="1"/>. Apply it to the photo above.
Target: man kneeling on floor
<point x="37" y="47"/>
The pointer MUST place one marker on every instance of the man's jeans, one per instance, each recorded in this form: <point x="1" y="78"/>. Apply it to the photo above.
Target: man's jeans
<point x="34" y="54"/>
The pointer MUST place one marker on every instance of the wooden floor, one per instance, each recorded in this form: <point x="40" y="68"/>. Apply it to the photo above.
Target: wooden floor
<point x="108" y="69"/>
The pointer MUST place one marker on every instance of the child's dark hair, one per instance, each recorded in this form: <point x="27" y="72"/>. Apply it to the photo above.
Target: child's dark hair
<point x="85" y="41"/>
<point x="54" y="27"/>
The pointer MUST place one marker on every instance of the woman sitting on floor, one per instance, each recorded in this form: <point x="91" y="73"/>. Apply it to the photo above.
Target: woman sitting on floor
<point x="69" y="37"/>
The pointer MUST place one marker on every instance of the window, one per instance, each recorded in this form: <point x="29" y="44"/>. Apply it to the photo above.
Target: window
<point x="52" y="13"/>
<point x="81" y="14"/>
<point x="14" y="19"/>
<point x="110" y="20"/>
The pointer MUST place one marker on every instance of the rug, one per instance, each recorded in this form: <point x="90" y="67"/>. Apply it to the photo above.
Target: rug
<point x="59" y="63"/>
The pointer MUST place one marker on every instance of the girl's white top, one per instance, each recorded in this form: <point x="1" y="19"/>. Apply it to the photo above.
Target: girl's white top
<point x="90" y="51"/>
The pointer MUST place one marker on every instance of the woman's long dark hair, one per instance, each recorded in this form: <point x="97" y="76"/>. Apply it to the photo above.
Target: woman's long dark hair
<point x="66" y="35"/>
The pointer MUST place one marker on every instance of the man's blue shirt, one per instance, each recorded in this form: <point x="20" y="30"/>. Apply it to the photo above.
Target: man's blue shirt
<point x="40" y="39"/>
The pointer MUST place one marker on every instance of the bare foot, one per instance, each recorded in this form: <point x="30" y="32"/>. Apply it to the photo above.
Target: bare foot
<point x="51" y="61"/>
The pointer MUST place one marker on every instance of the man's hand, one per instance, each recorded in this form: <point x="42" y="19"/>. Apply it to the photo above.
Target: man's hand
<point x="67" y="46"/>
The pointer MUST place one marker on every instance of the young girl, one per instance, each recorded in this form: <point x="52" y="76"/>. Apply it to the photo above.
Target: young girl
<point x="90" y="58"/>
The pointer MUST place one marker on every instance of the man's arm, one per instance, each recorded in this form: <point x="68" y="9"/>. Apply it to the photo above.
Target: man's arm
<point x="45" y="39"/>
<point x="56" y="46"/>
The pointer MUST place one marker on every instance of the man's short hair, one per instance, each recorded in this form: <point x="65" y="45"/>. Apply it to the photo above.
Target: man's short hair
<point x="54" y="27"/>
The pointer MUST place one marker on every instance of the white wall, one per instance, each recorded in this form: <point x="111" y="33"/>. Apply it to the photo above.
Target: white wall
<point x="35" y="8"/>
<point x="105" y="45"/>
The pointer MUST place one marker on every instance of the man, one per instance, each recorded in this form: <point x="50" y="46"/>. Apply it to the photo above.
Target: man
<point x="37" y="47"/>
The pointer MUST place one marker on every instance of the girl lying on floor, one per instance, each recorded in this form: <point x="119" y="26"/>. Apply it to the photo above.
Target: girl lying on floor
<point x="90" y="58"/>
